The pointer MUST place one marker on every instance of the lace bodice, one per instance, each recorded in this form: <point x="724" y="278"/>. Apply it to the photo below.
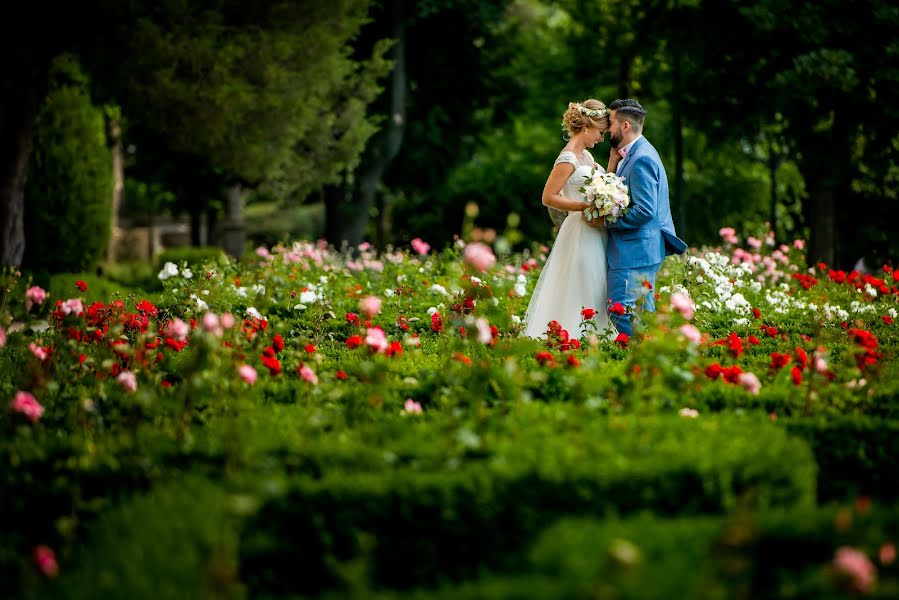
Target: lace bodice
<point x="572" y="187"/>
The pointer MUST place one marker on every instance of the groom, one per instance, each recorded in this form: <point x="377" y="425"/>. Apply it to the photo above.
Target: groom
<point x="641" y="239"/>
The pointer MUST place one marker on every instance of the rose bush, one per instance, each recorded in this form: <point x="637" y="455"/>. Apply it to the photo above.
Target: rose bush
<point x="306" y="373"/>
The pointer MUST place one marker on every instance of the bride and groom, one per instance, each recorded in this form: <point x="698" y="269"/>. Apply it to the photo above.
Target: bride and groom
<point x="603" y="264"/>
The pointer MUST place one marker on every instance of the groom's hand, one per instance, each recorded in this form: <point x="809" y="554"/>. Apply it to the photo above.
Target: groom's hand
<point x="598" y="223"/>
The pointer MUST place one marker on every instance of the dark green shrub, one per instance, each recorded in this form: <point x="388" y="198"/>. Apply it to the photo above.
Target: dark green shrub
<point x="855" y="454"/>
<point x="503" y="486"/>
<point x="172" y="542"/>
<point x="69" y="190"/>
<point x="783" y="554"/>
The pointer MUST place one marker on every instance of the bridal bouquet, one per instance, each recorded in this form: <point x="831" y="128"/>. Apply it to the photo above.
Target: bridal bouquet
<point x="606" y="196"/>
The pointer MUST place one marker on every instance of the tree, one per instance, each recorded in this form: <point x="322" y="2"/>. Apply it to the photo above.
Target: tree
<point x="266" y="93"/>
<point x="70" y="184"/>
<point x="430" y="111"/>
<point x="830" y="73"/>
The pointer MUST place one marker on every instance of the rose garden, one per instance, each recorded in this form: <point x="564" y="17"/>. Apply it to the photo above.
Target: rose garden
<point x="305" y="421"/>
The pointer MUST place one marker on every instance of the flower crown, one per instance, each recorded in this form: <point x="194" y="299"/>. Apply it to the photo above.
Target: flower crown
<point x="595" y="113"/>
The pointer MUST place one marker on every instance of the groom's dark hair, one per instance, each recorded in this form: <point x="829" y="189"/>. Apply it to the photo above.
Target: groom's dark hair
<point x="630" y="110"/>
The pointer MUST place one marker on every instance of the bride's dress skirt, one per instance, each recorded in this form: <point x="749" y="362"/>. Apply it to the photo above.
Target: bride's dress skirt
<point x="573" y="278"/>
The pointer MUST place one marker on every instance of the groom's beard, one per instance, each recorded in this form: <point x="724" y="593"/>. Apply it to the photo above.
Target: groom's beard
<point x="616" y="140"/>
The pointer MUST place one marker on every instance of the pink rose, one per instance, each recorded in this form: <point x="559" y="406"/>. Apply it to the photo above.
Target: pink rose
<point x="72" y="306"/>
<point x="376" y="339"/>
<point x="887" y="553"/>
<point x="412" y="407"/>
<point x="308" y="375"/>
<point x="34" y="295"/>
<point x="128" y="381"/>
<point x="855" y="567"/>
<point x="420" y="246"/>
<point x="2" y="337"/>
<point x="45" y="559"/>
<point x="227" y="320"/>
<point x="691" y="333"/>
<point x="262" y="252"/>
<point x="799" y="244"/>
<point x="754" y="243"/>
<point x="247" y="373"/>
<point x="729" y="234"/>
<point x="479" y="256"/>
<point x="39" y="352"/>
<point x="682" y="304"/>
<point x="178" y="330"/>
<point x="28" y="405"/>
<point x="370" y="305"/>
<point x="751" y="382"/>
<point x="211" y="324"/>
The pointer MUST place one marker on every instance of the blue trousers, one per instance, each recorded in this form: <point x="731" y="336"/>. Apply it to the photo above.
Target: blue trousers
<point x="626" y="286"/>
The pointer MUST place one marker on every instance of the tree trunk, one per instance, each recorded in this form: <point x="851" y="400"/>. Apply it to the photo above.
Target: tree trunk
<point x="822" y="224"/>
<point x="196" y="225"/>
<point x="337" y="205"/>
<point x="235" y="232"/>
<point x="678" y="125"/>
<point x="386" y="145"/>
<point x="773" y="164"/>
<point x="18" y="111"/>
<point x="114" y="140"/>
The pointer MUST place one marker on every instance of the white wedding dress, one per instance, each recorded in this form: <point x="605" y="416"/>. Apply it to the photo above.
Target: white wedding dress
<point x="574" y="276"/>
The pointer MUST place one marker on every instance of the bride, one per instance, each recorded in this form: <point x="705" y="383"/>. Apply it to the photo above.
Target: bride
<point x="574" y="276"/>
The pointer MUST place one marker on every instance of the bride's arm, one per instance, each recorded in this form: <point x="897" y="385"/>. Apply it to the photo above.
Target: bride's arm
<point x="554" y="184"/>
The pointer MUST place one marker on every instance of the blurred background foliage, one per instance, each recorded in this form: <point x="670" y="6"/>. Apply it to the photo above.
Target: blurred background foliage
<point x="388" y="120"/>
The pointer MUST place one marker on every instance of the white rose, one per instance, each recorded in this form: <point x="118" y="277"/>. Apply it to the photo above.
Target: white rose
<point x="169" y="269"/>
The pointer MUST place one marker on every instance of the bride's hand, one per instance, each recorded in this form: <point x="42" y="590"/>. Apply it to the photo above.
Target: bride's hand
<point x="614" y="157"/>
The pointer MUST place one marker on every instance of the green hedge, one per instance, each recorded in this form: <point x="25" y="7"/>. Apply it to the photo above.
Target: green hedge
<point x="69" y="191"/>
<point x="418" y="498"/>
<point x="176" y="541"/>
<point x="782" y="554"/>
<point x="855" y="454"/>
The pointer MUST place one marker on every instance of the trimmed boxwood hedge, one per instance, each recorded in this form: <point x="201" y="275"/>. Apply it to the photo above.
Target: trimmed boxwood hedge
<point x="856" y="454"/>
<point x="453" y="515"/>
<point x="778" y="554"/>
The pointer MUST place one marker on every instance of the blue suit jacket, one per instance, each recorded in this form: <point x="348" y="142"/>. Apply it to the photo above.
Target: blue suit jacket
<point x="645" y="235"/>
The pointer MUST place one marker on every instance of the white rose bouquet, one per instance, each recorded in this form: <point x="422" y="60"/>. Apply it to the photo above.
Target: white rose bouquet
<point x="606" y="196"/>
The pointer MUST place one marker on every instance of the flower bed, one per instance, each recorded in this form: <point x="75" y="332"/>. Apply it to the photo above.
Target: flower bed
<point x="379" y="390"/>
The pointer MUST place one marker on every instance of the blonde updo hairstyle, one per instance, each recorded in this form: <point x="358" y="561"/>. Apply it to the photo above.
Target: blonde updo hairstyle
<point x="580" y="115"/>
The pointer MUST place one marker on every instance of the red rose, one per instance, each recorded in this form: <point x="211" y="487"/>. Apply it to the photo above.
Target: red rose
<point x="622" y="339"/>
<point x="713" y="371"/>
<point x="617" y="309"/>
<point x="81" y="285"/>
<point x="545" y="358"/>
<point x="796" y="374"/>
<point x="310" y="349"/>
<point x="354" y="341"/>
<point x="588" y="313"/>
<point x="278" y="343"/>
